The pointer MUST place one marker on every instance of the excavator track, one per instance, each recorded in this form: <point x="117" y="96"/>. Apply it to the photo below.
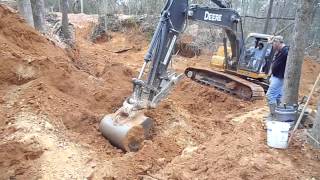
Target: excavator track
<point x="226" y="82"/>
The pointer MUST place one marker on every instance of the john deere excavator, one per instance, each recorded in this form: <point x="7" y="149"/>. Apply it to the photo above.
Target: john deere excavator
<point x="241" y="74"/>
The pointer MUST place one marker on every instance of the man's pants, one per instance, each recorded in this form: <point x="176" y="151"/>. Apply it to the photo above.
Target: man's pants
<point x="275" y="90"/>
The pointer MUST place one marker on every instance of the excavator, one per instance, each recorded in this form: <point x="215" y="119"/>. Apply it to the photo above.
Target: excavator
<point x="240" y="72"/>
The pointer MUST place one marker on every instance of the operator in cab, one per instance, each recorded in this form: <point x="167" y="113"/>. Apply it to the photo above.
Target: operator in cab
<point x="278" y="67"/>
<point x="258" y="53"/>
<point x="256" y="56"/>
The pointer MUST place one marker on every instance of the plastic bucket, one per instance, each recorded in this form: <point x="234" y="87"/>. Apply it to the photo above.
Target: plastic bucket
<point x="277" y="134"/>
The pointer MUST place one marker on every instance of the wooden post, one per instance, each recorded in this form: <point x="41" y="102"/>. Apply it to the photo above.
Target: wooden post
<point x="296" y="53"/>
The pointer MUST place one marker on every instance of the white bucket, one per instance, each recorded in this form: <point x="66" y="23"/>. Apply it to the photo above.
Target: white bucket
<point x="277" y="134"/>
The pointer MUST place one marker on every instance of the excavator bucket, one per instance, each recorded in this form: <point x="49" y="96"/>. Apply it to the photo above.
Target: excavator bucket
<point x="126" y="132"/>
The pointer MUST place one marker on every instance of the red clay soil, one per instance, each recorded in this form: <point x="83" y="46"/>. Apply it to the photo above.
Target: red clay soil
<point x="52" y="101"/>
<point x="310" y="71"/>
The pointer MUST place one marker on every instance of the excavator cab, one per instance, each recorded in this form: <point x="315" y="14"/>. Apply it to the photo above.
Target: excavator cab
<point x="255" y="59"/>
<point x="244" y="67"/>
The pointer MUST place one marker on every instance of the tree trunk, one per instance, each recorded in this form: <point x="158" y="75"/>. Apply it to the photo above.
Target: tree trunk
<point x="24" y="7"/>
<point x="315" y="132"/>
<point x="81" y="4"/>
<point x="280" y="14"/>
<point x="59" y="4"/>
<point x="38" y="11"/>
<point x="296" y="53"/>
<point x="99" y="31"/>
<point x="244" y="8"/>
<point x="266" y="26"/>
<point x="65" y="20"/>
<point x="102" y="14"/>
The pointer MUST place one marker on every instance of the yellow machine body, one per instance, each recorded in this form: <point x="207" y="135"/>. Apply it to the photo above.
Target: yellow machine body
<point x="253" y="75"/>
<point x="218" y="59"/>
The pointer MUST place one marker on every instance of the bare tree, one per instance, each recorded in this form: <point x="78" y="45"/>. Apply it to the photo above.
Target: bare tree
<point x="81" y="4"/>
<point x="266" y="26"/>
<point x="102" y="14"/>
<point x="106" y="9"/>
<point x="65" y="20"/>
<point x="278" y="12"/>
<point x="38" y="11"/>
<point x="296" y="53"/>
<point x="24" y="7"/>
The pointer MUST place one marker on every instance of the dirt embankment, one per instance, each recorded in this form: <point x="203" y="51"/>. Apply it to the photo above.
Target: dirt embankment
<point x="241" y="153"/>
<point x="39" y="79"/>
<point x="52" y="101"/>
<point x="310" y="71"/>
<point x="42" y="85"/>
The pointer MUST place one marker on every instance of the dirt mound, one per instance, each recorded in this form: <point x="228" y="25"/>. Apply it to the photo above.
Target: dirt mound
<point x="240" y="154"/>
<point x="186" y="48"/>
<point x="310" y="69"/>
<point x="18" y="41"/>
<point x="178" y="128"/>
<point x="40" y="78"/>
<point x="208" y="97"/>
<point x="31" y="147"/>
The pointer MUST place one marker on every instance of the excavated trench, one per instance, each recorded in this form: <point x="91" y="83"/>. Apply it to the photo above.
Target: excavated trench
<point x="42" y="84"/>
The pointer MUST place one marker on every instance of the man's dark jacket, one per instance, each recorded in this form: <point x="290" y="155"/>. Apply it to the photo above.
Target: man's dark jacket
<point x="279" y="63"/>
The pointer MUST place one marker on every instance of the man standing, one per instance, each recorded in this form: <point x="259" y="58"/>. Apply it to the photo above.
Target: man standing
<point x="277" y="74"/>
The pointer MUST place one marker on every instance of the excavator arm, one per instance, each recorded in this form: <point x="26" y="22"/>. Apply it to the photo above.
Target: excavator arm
<point x="128" y="126"/>
<point x="148" y="93"/>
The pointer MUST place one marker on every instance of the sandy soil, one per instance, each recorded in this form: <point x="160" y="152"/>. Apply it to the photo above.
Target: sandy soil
<point x="52" y="101"/>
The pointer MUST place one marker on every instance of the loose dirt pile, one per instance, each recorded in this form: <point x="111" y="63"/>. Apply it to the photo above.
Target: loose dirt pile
<point x="40" y="79"/>
<point x="240" y="153"/>
<point x="52" y="101"/>
<point x="310" y="71"/>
